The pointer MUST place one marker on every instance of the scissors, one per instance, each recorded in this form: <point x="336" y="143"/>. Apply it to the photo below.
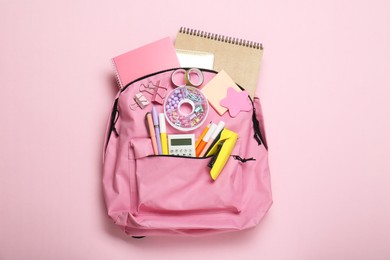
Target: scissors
<point x="191" y="77"/>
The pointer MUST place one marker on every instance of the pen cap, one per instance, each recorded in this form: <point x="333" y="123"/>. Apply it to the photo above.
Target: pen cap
<point x="211" y="130"/>
<point x="219" y="128"/>
<point x="163" y="127"/>
<point x="155" y="116"/>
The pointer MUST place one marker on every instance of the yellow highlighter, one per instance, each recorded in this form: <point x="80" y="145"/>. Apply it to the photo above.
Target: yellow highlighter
<point x="222" y="150"/>
<point x="163" y="133"/>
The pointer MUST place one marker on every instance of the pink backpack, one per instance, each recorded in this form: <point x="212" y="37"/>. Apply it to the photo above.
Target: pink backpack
<point x="148" y="194"/>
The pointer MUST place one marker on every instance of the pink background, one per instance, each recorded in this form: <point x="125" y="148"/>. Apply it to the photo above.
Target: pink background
<point x="325" y="90"/>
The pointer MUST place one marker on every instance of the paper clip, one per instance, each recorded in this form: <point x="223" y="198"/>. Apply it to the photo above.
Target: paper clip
<point x="140" y="101"/>
<point x="157" y="91"/>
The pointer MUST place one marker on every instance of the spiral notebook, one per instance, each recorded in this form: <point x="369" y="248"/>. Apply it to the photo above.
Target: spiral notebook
<point x="239" y="58"/>
<point x="152" y="57"/>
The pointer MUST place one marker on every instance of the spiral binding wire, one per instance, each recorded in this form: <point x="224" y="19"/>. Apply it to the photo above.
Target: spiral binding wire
<point x="221" y="38"/>
<point x="118" y="79"/>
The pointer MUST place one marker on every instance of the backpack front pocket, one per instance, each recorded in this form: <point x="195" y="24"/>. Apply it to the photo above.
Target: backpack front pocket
<point x="183" y="184"/>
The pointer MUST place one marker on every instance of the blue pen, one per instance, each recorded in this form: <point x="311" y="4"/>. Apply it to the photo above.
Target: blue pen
<point x="157" y="129"/>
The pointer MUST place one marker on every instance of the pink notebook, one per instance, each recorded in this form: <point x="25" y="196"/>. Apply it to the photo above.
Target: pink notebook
<point x="150" y="58"/>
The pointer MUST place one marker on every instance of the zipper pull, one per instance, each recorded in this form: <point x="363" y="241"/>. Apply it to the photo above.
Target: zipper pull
<point x="114" y="117"/>
<point x="256" y="128"/>
<point x="243" y="160"/>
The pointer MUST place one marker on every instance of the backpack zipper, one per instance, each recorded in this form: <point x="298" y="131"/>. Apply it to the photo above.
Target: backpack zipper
<point x="115" y="112"/>
<point x="179" y="156"/>
<point x="256" y="127"/>
<point x="162" y="71"/>
<point x="113" y="118"/>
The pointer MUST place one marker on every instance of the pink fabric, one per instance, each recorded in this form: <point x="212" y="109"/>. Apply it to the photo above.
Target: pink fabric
<point x="166" y="195"/>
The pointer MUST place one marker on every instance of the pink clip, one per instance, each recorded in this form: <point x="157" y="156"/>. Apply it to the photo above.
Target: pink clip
<point x="141" y="100"/>
<point x="159" y="94"/>
<point x="157" y="91"/>
<point x="150" y="88"/>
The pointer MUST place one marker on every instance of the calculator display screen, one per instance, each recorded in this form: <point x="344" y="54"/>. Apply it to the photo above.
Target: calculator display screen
<point x="181" y="141"/>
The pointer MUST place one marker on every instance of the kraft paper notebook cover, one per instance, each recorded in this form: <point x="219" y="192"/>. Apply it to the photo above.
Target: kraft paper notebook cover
<point x="239" y="58"/>
<point x="150" y="58"/>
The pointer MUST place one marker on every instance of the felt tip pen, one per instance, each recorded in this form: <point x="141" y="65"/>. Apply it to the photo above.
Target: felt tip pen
<point x="202" y="134"/>
<point x="214" y="135"/>
<point x="152" y="132"/>
<point x="205" y="139"/>
<point x="156" y="129"/>
<point x="163" y="134"/>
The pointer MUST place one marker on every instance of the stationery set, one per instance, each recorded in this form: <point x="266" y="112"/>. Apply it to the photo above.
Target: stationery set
<point x="184" y="152"/>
